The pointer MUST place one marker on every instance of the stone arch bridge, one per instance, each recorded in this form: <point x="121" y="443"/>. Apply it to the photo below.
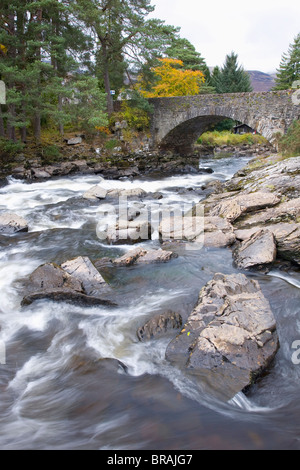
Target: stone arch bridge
<point x="178" y="122"/>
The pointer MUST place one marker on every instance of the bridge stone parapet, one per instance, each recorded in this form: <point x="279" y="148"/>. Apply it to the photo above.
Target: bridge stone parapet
<point x="178" y="122"/>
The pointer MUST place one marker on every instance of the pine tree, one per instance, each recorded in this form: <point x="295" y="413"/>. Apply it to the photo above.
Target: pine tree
<point x="289" y="68"/>
<point x="231" y="78"/>
<point x="41" y="47"/>
<point x="125" y="39"/>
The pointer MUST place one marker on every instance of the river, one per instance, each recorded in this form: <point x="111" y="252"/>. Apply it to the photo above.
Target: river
<point x="78" y="378"/>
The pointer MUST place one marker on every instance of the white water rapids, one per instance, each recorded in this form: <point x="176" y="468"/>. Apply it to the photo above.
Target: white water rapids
<point x="78" y="378"/>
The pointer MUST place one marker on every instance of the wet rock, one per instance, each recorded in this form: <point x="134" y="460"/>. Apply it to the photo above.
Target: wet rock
<point x="3" y="182"/>
<point x="75" y="281"/>
<point x="218" y="232"/>
<point x="159" y="325"/>
<point x="208" y="231"/>
<point x="65" y="295"/>
<point x="126" y="232"/>
<point x="230" y="337"/>
<point x="288" y="241"/>
<point x="12" y="223"/>
<point x="96" y="192"/>
<point x="233" y="208"/>
<point x="129" y="258"/>
<point x="40" y="173"/>
<point x="129" y="193"/>
<point x="134" y="211"/>
<point x="257" y="251"/>
<point x="281" y="178"/>
<point x="142" y="256"/>
<point x="181" y="228"/>
<point x="83" y="270"/>
<point x="288" y="211"/>
<point x="51" y="276"/>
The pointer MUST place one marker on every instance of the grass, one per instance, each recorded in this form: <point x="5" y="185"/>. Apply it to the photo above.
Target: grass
<point x="289" y="144"/>
<point x="217" y="139"/>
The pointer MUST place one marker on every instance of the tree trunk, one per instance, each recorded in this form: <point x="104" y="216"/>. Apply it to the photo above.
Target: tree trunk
<point x="37" y="114"/>
<point x="11" y="132"/>
<point x="60" y="108"/>
<point x="2" y="129"/>
<point x="22" y="56"/>
<point x="109" y="100"/>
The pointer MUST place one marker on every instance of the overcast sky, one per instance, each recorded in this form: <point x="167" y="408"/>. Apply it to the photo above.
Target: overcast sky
<point x="259" y="31"/>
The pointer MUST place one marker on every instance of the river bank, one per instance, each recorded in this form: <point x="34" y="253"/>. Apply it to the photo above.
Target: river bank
<point x="114" y="161"/>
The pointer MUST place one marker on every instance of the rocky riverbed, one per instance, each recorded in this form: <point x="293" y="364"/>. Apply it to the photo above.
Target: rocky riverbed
<point x="190" y="301"/>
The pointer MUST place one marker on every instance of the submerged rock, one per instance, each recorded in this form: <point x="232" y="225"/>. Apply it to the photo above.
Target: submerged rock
<point x="230" y="337"/>
<point x="159" y="325"/>
<point x="12" y="223"/>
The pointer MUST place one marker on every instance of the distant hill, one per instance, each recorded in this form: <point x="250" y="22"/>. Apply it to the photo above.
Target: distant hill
<point x="261" y="81"/>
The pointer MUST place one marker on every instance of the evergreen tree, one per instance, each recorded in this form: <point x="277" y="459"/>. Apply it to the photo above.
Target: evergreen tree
<point x="289" y="68"/>
<point x="231" y="78"/>
<point x="183" y="50"/>
<point x="41" y="44"/>
<point x="124" y="37"/>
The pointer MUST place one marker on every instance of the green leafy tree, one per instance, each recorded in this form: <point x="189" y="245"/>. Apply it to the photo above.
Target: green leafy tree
<point x="231" y="78"/>
<point x="289" y="68"/>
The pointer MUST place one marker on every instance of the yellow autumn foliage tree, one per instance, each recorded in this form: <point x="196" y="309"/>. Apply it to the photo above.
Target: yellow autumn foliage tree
<point x="3" y="49"/>
<point x="173" y="80"/>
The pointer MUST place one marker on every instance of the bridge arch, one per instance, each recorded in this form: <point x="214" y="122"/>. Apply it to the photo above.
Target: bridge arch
<point x="178" y="122"/>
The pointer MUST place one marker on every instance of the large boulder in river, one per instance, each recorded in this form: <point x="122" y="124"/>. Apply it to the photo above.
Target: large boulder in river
<point x="232" y="208"/>
<point x="76" y="281"/>
<point x="208" y="231"/>
<point x="83" y="270"/>
<point x="126" y="232"/>
<point x="12" y="223"/>
<point x="282" y="178"/>
<point x="230" y="337"/>
<point x="95" y="193"/>
<point x="257" y="251"/>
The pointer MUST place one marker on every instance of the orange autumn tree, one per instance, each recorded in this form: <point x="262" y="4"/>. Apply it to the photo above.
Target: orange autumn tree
<point x="173" y="80"/>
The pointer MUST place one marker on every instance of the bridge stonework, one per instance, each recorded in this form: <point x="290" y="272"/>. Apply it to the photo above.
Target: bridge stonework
<point x="178" y="122"/>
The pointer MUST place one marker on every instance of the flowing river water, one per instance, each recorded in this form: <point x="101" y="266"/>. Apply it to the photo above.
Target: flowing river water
<point x="78" y="377"/>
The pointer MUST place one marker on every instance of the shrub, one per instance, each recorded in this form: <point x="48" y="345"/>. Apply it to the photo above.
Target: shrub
<point x="50" y="153"/>
<point x="8" y="148"/>
<point x="289" y="144"/>
<point x="216" y="139"/>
